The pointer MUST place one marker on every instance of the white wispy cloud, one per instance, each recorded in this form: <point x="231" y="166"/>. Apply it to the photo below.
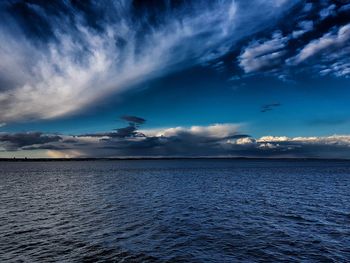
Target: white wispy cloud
<point x="79" y="65"/>
<point x="328" y="11"/>
<point x="326" y="42"/>
<point x="274" y="55"/>
<point x="263" y="54"/>
<point x="332" y="51"/>
<point x="303" y="27"/>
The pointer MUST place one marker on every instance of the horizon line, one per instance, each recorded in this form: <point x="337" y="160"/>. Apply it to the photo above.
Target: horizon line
<point x="26" y="159"/>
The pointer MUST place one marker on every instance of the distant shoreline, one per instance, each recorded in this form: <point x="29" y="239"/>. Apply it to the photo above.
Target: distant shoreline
<point x="164" y="158"/>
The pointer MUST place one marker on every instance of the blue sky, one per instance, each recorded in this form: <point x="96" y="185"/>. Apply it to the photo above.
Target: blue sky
<point x="260" y="78"/>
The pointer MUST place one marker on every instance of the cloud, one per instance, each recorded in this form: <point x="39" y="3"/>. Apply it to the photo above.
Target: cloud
<point x="269" y="107"/>
<point x="195" y="145"/>
<point x="244" y="141"/>
<point x="325" y="43"/>
<point x="262" y="55"/>
<point x="217" y="140"/>
<point x="332" y="51"/>
<point x="15" y="141"/>
<point x="133" y="119"/>
<point x="328" y="11"/>
<point x="129" y="141"/>
<point x="316" y="40"/>
<point x="125" y="132"/>
<point x="60" y="58"/>
<point x="336" y="146"/>
<point x="213" y="131"/>
<point x="308" y="7"/>
<point x="335" y="140"/>
<point x="303" y="27"/>
<point x="2" y="124"/>
<point x="344" y="8"/>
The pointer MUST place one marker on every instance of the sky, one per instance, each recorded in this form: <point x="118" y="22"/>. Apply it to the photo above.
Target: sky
<point x="137" y="78"/>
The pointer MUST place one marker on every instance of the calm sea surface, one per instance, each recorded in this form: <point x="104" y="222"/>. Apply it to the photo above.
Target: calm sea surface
<point x="175" y="211"/>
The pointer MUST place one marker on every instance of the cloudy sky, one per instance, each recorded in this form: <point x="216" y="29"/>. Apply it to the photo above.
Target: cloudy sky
<point x="136" y="78"/>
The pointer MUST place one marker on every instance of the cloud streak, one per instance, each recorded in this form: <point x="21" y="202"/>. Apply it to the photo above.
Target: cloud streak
<point x="59" y="58"/>
<point x="269" y="107"/>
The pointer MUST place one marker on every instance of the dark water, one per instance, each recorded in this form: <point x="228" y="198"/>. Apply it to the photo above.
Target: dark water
<point x="175" y="211"/>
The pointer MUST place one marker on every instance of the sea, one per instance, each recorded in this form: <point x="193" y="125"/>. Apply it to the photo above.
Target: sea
<point x="200" y="210"/>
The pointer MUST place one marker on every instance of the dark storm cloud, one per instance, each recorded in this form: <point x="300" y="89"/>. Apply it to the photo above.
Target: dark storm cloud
<point x="15" y="141"/>
<point x="133" y="119"/>
<point x="47" y="147"/>
<point x="196" y="145"/>
<point x="220" y="140"/>
<point x="124" y="132"/>
<point x="180" y="144"/>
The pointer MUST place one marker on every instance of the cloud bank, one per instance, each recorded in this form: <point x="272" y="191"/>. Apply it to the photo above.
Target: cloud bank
<point x="217" y="140"/>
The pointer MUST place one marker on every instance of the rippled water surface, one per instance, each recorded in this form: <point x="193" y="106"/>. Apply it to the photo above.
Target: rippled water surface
<point x="175" y="211"/>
